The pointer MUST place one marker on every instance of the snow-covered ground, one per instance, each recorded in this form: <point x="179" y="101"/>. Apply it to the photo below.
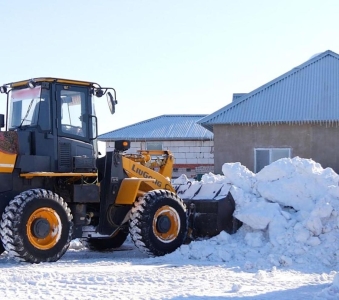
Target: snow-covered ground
<point x="288" y="248"/>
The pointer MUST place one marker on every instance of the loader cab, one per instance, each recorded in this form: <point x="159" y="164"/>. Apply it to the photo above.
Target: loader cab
<point x="69" y="106"/>
<point x="57" y="118"/>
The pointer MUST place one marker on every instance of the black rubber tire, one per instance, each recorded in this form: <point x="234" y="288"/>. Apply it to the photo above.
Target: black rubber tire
<point x="106" y="244"/>
<point x="2" y="249"/>
<point x="18" y="238"/>
<point x="145" y="215"/>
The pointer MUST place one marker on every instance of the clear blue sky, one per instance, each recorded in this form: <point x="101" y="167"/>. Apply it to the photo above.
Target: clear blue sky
<point x="163" y="57"/>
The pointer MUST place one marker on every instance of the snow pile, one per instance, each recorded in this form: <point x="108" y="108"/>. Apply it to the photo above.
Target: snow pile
<point x="332" y="292"/>
<point x="290" y="215"/>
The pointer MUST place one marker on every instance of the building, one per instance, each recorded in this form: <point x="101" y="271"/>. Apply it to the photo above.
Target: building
<point x="190" y="143"/>
<point x="296" y="114"/>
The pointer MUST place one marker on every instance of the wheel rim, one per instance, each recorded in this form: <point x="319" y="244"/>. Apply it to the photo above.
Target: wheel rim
<point x="44" y="228"/>
<point x="166" y="224"/>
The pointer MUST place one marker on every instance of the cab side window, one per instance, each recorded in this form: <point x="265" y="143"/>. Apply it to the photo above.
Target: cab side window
<point x="73" y="112"/>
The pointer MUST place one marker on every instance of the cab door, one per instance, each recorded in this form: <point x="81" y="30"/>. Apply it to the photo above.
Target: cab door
<point x="73" y="125"/>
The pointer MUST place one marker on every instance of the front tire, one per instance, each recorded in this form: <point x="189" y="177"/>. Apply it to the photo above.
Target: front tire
<point x="158" y="222"/>
<point x="36" y="227"/>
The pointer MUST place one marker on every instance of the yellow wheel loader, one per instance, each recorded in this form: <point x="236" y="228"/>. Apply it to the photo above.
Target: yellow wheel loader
<point x="55" y="188"/>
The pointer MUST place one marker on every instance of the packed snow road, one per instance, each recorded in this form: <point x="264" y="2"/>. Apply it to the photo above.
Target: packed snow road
<point x="130" y="274"/>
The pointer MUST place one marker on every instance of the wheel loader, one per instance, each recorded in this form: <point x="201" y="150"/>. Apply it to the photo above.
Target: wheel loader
<point x="54" y="187"/>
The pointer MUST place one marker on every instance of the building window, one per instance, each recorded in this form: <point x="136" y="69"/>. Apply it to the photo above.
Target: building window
<point x="188" y="170"/>
<point x="264" y="156"/>
<point x="175" y="169"/>
<point x="154" y="145"/>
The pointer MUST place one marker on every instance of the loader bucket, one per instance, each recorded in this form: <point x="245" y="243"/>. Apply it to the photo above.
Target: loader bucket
<point x="208" y="215"/>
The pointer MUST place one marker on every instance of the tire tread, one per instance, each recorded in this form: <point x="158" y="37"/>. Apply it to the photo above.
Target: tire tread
<point x="10" y="224"/>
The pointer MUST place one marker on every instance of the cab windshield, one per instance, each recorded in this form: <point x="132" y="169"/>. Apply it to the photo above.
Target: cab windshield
<point x="29" y="107"/>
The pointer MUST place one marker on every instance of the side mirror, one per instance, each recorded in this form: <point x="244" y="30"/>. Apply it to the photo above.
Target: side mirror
<point x="2" y="121"/>
<point x="111" y="102"/>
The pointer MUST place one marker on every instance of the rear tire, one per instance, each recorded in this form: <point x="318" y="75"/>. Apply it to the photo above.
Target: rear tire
<point x="105" y="244"/>
<point x="158" y="222"/>
<point x="36" y="227"/>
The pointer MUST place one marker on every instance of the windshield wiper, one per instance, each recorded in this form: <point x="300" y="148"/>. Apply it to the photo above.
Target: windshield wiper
<point x="28" y="110"/>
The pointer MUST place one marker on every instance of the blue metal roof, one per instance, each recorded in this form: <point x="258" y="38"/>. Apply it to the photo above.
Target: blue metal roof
<point x="165" y="127"/>
<point x="306" y="94"/>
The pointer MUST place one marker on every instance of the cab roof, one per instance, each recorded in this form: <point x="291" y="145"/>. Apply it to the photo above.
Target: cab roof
<point x="52" y="79"/>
